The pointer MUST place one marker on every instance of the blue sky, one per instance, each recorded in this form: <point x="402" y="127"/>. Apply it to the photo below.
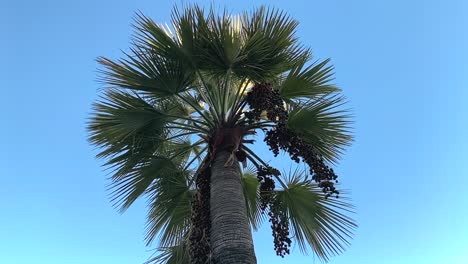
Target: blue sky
<point x="401" y="64"/>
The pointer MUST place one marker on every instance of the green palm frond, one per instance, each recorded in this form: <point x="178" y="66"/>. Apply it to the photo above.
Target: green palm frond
<point x="178" y="254"/>
<point x="145" y="71"/>
<point x="308" y="82"/>
<point x="161" y="41"/>
<point x="323" y="124"/>
<point x="167" y="162"/>
<point x="269" y="44"/>
<point x="127" y="129"/>
<point x="219" y="42"/>
<point x="120" y="115"/>
<point x="317" y="223"/>
<point x="250" y="186"/>
<point x="169" y="209"/>
<point x="128" y="188"/>
<point x="132" y="134"/>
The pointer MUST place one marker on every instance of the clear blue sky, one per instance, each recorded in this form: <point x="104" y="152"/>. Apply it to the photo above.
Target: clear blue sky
<point x="402" y="64"/>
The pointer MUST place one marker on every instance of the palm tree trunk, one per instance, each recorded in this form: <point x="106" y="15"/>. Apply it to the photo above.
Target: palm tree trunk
<point x="231" y="237"/>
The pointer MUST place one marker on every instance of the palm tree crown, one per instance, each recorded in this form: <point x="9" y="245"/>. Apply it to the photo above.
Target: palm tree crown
<point x="208" y="83"/>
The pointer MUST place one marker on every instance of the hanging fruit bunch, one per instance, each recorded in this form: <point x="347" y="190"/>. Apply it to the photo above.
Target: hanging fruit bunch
<point x="264" y="99"/>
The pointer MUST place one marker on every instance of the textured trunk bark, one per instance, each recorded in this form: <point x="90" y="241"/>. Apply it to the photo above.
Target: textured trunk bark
<point x="231" y="237"/>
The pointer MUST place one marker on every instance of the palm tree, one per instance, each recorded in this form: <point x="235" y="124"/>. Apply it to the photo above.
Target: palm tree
<point x="179" y="114"/>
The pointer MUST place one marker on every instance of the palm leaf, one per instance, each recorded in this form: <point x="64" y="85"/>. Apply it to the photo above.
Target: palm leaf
<point x="127" y="129"/>
<point x="323" y="124"/>
<point x="269" y="44"/>
<point x="308" y="82"/>
<point x="120" y="115"/>
<point x="161" y="40"/>
<point x="317" y="223"/>
<point x="166" y="162"/>
<point x="127" y="188"/>
<point x="250" y="186"/>
<point x="169" y="209"/>
<point x="177" y="254"/>
<point x="144" y="71"/>
<point x="219" y="44"/>
<point x="131" y="133"/>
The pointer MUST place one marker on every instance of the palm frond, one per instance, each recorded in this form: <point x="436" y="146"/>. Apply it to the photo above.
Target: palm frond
<point x="169" y="209"/>
<point x="319" y="224"/>
<point x="160" y="39"/>
<point x="219" y="43"/>
<point x="156" y="63"/>
<point x="250" y="186"/>
<point x="126" y="126"/>
<point x="127" y="188"/>
<point x="132" y="134"/>
<point x="269" y="44"/>
<point x="309" y="82"/>
<point x="127" y="129"/>
<point x="120" y="115"/>
<point x="145" y="71"/>
<point x="323" y="124"/>
<point x="168" y="160"/>
<point x="178" y="254"/>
